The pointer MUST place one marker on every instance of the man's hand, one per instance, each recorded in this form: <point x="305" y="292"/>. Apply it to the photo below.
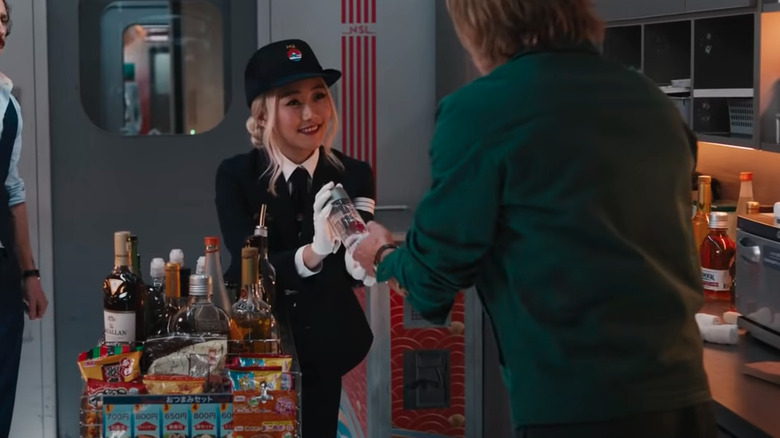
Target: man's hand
<point x="34" y="297"/>
<point x="366" y="251"/>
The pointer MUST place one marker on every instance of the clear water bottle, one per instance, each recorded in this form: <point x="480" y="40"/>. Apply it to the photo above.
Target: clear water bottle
<point x="345" y="220"/>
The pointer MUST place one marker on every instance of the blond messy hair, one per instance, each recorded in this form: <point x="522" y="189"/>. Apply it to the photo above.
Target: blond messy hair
<point x="266" y="138"/>
<point x="499" y="29"/>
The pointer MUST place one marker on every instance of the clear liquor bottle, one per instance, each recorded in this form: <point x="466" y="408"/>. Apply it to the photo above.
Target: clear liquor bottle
<point x="200" y="316"/>
<point x="213" y="269"/>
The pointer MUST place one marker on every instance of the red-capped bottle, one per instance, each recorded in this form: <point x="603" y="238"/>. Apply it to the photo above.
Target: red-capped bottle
<point x="717" y="259"/>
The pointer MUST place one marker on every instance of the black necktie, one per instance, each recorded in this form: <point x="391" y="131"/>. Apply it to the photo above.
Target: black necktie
<point x="300" y="196"/>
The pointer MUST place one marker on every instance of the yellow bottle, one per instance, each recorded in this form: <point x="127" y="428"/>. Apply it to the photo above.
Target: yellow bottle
<point x="699" y="221"/>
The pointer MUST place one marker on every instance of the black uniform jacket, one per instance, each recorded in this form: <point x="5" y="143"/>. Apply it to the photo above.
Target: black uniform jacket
<point x="329" y="326"/>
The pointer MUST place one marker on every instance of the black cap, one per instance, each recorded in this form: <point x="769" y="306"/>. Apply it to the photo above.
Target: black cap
<point x="281" y="63"/>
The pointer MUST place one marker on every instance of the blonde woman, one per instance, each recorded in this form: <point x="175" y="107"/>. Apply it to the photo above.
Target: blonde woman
<point x="561" y="189"/>
<point x="292" y="169"/>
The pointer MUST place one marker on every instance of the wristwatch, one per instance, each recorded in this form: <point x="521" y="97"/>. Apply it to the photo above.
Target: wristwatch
<point x="31" y="273"/>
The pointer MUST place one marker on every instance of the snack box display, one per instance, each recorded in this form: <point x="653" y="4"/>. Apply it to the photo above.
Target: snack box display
<point x="166" y="416"/>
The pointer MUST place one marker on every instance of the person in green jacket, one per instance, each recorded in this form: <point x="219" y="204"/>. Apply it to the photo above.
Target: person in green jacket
<point x="561" y="190"/>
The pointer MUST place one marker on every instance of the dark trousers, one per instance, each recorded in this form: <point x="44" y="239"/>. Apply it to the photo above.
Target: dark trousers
<point x="11" y="327"/>
<point x="696" y="421"/>
<point x="321" y="400"/>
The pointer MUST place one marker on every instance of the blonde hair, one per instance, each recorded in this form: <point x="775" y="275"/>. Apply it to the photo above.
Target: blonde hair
<point x="265" y="137"/>
<point x="499" y="29"/>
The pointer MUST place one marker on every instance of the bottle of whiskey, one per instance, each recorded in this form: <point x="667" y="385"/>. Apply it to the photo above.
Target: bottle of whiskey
<point x="259" y="240"/>
<point x="200" y="316"/>
<point x="252" y="317"/>
<point x="717" y="259"/>
<point x="172" y="298"/>
<point x="123" y="298"/>
<point x="700" y="220"/>
<point x="154" y="303"/>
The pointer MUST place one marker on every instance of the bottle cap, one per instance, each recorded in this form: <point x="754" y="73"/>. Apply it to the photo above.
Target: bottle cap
<point x="746" y="176"/>
<point x="199" y="285"/>
<point x="211" y="240"/>
<point x="719" y="219"/>
<point x="753" y="207"/>
<point x="248" y="253"/>
<point x="200" y="266"/>
<point x="705" y="179"/>
<point x="120" y="243"/>
<point x="176" y="256"/>
<point x="337" y="193"/>
<point x="158" y="267"/>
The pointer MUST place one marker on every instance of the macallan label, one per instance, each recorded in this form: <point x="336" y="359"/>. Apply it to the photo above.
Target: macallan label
<point x="715" y="279"/>
<point x="119" y="326"/>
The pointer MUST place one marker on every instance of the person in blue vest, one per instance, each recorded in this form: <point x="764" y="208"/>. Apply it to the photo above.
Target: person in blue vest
<point x="560" y="188"/>
<point x="20" y="284"/>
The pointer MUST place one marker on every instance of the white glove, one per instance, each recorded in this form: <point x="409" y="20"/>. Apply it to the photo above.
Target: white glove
<point x="324" y="241"/>
<point x="356" y="271"/>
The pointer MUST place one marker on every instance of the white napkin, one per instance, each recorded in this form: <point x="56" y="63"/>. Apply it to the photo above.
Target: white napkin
<point x="705" y="319"/>
<point x="713" y="331"/>
<point x="719" y="334"/>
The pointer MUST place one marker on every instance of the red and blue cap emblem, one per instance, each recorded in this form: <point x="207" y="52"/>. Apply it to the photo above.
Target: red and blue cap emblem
<point x="293" y="54"/>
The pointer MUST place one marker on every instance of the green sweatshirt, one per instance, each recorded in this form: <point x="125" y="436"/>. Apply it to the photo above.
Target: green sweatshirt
<point x="561" y="190"/>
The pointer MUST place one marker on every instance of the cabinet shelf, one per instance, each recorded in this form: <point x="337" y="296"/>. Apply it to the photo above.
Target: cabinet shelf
<point x="725" y="93"/>
<point x="728" y="140"/>
<point x="770" y="7"/>
<point x="667" y="51"/>
<point x="723" y="52"/>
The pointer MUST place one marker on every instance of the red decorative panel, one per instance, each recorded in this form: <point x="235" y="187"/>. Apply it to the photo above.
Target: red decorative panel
<point x="358" y="90"/>
<point x="446" y="422"/>
<point x="354" y="383"/>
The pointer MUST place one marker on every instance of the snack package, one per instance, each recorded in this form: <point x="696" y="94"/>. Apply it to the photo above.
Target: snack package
<point x="255" y="378"/>
<point x="117" y="368"/>
<point x="97" y="389"/>
<point x="162" y="384"/>
<point x="147" y="421"/>
<point x="186" y="356"/>
<point x="266" y="360"/>
<point x="272" y="414"/>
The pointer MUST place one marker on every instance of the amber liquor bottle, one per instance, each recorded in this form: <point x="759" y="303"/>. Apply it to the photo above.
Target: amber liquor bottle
<point x="259" y="240"/>
<point x="700" y="220"/>
<point x="123" y="297"/>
